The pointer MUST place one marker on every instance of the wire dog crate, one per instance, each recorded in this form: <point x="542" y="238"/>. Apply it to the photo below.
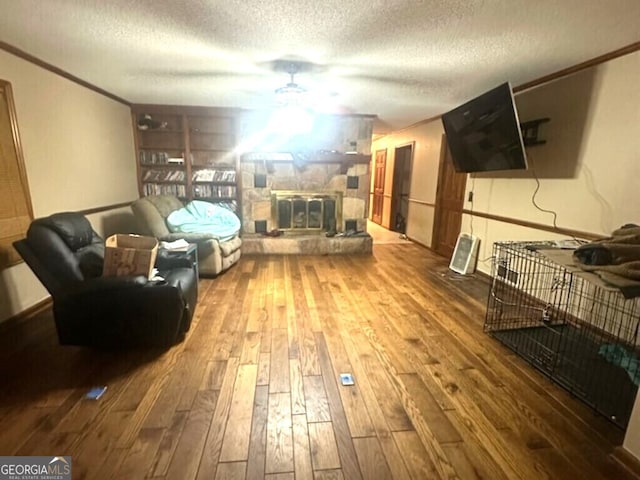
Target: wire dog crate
<point x="566" y="323"/>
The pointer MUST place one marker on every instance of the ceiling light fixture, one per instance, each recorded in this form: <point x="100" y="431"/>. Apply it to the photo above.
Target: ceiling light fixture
<point x="291" y="93"/>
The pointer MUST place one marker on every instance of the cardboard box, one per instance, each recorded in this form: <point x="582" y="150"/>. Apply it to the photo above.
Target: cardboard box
<point x="129" y="255"/>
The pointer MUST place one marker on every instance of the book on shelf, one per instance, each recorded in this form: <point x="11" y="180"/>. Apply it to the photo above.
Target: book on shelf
<point x="205" y="175"/>
<point x="164" y="176"/>
<point x="211" y="175"/>
<point x="214" y="191"/>
<point x="178" y="190"/>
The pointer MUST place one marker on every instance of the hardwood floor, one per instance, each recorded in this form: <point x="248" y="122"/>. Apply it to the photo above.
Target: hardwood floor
<point x="253" y="392"/>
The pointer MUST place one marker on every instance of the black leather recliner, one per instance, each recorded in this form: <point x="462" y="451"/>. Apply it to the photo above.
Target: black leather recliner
<point x="67" y="255"/>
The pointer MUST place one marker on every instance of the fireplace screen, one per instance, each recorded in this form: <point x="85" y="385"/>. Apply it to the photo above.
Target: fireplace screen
<point x="306" y="212"/>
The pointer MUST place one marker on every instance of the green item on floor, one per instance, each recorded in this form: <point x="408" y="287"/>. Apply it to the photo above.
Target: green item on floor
<point x="618" y="355"/>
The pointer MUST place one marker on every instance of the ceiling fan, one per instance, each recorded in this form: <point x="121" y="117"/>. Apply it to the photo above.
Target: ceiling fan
<point x="291" y="93"/>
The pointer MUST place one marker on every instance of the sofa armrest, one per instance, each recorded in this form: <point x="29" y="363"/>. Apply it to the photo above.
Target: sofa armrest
<point x="189" y="237"/>
<point x="104" y="284"/>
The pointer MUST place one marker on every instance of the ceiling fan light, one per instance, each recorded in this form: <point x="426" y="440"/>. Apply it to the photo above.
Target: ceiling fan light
<point x="290" y="94"/>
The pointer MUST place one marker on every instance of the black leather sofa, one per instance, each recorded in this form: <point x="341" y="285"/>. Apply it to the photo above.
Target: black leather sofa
<point x="67" y="255"/>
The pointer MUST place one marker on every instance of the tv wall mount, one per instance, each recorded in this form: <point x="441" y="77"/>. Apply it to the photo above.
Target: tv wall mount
<point x="530" y="132"/>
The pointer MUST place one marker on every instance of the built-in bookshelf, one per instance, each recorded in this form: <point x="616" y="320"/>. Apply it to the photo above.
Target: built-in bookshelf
<point x="188" y="152"/>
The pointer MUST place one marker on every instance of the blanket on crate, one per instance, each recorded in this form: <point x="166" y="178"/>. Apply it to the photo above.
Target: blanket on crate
<point x="204" y="217"/>
<point x="615" y="259"/>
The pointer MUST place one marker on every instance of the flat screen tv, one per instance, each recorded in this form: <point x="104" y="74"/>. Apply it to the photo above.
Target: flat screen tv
<point x="484" y="133"/>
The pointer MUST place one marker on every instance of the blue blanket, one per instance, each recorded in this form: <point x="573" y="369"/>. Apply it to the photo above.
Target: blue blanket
<point x="618" y="355"/>
<point x="205" y="217"/>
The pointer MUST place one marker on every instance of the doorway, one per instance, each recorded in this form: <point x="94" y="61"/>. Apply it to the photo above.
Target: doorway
<point x="403" y="163"/>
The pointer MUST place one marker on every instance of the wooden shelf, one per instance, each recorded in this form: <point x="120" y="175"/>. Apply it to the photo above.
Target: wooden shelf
<point x="204" y="137"/>
<point x="176" y="166"/>
<point x="306" y="158"/>
<point x="157" y="130"/>
<point x="177" y="182"/>
<point x="346" y="160"/>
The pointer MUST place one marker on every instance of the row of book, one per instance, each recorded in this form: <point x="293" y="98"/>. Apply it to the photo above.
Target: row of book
<point x="212" y="191"/>
<point x="210" y="175"/>
<point x="159" y="158"/>
<point x="176" y="189"/>
<point x="164" y="176"/>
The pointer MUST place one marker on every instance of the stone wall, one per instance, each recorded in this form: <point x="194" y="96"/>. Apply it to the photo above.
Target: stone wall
<point x="333" y="157"/>
<point x="313" y="177"/>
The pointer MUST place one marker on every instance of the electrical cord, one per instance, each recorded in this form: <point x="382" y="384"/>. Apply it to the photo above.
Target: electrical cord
<point x="544" y="210"/>
<point x="486" y="259"/>
<point x="535" y="192"/>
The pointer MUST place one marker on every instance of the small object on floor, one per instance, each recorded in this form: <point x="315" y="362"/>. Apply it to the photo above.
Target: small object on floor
<point x="347" y="379"/>
<point x="273" y="233"/>
<point x="403" y="237"/>
<point x="95" y="393"/>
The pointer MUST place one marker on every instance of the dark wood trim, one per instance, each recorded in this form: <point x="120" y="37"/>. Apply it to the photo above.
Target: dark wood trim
<point x="539" y="81"/>
<point x="537" y="226"/>
<point x="580" y="66"/>
<point x="421" y="202"/>
<point x="90" y="211"/>
<point x="485" y="277"/>
<point x="184" y="110"/>
<point x="26" y="314"/>
<point x="58" y="71"/>
<point x="626" y="461"/>
<point x="418" y="123"/>
<point x="418" y="242"/>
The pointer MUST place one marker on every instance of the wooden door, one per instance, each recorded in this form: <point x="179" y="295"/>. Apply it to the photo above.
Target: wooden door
<point x="16" y="212"/>
<point x="449" y="204"/>
<point x="378" y="186"/>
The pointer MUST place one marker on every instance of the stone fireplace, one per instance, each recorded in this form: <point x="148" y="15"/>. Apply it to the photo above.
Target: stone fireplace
<point x="319" y="207"/>
<point x="312" y="196"/>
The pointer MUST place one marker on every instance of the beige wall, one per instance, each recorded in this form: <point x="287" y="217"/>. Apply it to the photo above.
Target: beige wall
<point x="79" y="153"/>
<point x="426" y="139"/>
<point x="632" y="437"/>
<point x="586" y="170"/>
<point x="589" y="168"/>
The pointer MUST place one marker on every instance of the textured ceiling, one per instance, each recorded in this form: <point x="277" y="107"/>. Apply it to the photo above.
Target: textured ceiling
<point x="403" y="60"/>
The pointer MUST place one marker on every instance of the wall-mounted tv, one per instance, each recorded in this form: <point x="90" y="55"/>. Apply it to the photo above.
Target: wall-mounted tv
<point x="484" y="133"/>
